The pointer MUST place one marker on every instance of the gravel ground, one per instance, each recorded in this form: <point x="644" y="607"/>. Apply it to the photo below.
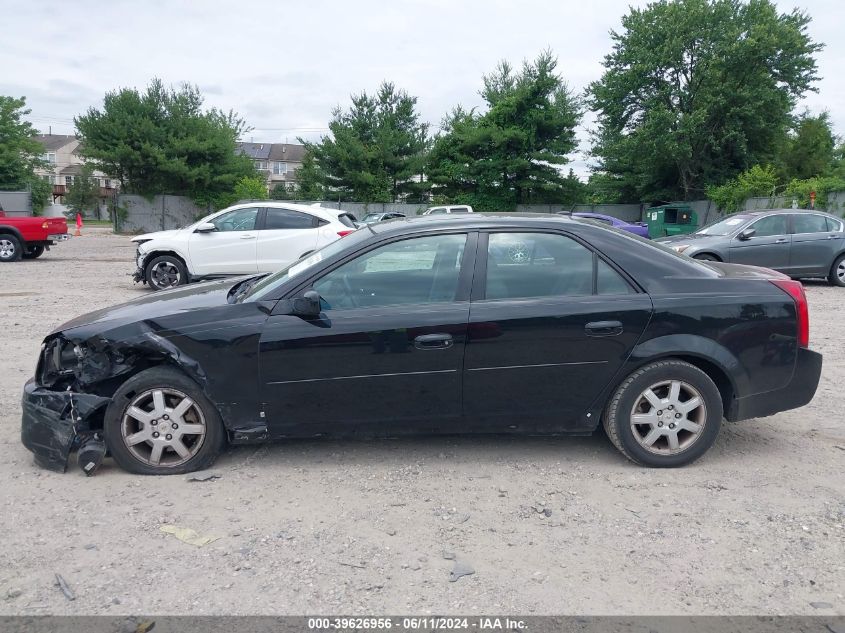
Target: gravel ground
<point x="756" y="527"/>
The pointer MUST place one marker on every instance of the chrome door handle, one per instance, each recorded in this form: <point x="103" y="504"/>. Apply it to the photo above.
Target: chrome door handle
<point x="247" y="237"/>
<point x="781" y="241"/>
<point x="603" y="328"/>
<point x="433" y="341"/>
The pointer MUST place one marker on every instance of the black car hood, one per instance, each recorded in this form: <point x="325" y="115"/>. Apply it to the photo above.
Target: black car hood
<point x="156" y="305"/>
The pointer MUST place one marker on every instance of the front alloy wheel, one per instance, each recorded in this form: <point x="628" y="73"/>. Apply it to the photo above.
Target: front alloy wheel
<point x="163" y="427"/>
<point x="165" y="271"/>
<point x="160" y="422"/>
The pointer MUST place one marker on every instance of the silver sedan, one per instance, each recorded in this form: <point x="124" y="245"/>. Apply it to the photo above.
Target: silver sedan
<point x="801" y="244"/>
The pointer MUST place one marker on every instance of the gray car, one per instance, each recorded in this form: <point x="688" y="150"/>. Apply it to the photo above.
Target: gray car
<point x="801" y="244"/>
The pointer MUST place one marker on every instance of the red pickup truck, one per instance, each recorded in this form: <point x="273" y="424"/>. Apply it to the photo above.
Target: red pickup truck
<point x="29" y="237"/>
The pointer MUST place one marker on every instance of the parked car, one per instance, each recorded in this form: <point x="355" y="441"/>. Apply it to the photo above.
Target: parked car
<point x="370" y="218"/>
<point x="244" y="239"/>
<point x="801" y="244"/>
<point x="453" y="208"/>
<point x="420" y="326"/>
<point x="637" y="228"/>
<point x="28" y="237"/>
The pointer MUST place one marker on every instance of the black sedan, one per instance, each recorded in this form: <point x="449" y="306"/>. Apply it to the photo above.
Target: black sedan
<point x="444" y="324"/>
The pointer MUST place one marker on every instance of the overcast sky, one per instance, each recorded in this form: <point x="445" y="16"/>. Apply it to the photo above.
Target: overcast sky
<point x="284" y="65"/>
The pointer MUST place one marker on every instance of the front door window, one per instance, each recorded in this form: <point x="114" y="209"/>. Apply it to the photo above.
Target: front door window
<point x="414" y="271"/>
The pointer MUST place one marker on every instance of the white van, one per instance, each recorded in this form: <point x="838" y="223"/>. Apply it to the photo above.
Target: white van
<point x="456" y="208"/>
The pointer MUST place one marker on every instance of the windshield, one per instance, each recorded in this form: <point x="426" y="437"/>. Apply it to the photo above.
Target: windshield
<point x="724" y="226"/>
<point x="265" y="286"/>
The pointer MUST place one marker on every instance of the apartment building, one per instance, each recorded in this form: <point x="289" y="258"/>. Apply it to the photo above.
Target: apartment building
<point x="63" y="164"/>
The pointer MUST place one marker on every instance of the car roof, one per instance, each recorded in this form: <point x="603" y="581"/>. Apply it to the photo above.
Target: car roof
<point x="761" y="212"/>
<point x="471" y="221"/>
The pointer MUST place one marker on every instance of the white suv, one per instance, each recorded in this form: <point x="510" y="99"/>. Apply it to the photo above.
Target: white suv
<point x="250" y="238"/>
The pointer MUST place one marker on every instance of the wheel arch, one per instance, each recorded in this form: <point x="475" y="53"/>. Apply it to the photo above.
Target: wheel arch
<point x="712" y="254"/>
<point x="165" y="251"/>
<point x="720" y="365"/>
<point x="11" y="230"/>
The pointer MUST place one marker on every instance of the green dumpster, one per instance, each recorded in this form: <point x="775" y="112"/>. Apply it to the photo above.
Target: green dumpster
<point x="671" y="219"/>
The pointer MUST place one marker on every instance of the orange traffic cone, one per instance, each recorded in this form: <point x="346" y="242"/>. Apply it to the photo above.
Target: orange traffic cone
<point x="78" y="232"/>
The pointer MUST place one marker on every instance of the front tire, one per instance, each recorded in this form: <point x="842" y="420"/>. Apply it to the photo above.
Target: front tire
<point x="34" y="252"/>
<point x="10" y="248"/>
<point x="666" y="414"/>
<point x="159" y="422"/>
<point x="837" y="272"/>
<point x="165" y="271"/>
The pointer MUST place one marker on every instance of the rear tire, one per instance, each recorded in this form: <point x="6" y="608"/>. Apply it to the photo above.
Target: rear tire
<point x="160" y="422"/>
<point x="34" y="252"/>
<point x="706" y="257"/>
<point x="837" y="272"/>
<point x="664" y="415"/>
<point x="10" y="248"/>
<point x="165" y="271"/>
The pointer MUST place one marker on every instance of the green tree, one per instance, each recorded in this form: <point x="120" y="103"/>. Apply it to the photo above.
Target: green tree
<point x="822" y="185"/>
<point x="309" y="180"/>
<point x="281" y="192"/>
<point x="376" y="147"/>
<point x="809" y="149"/>
<point x="696" y="91"/>
<point x="247" y="188"/>
<point x="163" y="141"/>
<point x="731" y="196"/>
<point x="83" y="194"/>
<point x="20" y="153"/>
<point x="513" y="152"/>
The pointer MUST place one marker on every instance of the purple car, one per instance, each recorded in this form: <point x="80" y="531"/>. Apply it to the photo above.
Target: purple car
<point x="638" y="228"/>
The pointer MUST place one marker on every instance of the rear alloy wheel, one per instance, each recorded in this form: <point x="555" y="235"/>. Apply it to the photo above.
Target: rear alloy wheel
<point x="34" y="252"/>
<point x="165" y="271"/>
<point x="10" y="248"/>
<point x="665" y="414"/>
<point x="837" y="272"/>
<point x="160" y="422"/>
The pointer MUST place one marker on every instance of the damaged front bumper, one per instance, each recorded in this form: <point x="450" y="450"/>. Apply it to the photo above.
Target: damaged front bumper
<point x="54" y="423"/>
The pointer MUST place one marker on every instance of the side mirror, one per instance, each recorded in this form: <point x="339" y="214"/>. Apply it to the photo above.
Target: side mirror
<point x="747" y="234"/>
<point x="205" y="227"/>
<point x="308" y="305"/>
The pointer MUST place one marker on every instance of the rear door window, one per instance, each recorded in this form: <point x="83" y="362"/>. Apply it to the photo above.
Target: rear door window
<point x="529" y="265"/>
<point x="278" y="219"/>
<point x="809" y="223"/>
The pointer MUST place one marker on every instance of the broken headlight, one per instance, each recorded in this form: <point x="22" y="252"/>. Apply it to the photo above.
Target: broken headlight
<point x="59" y="360"/>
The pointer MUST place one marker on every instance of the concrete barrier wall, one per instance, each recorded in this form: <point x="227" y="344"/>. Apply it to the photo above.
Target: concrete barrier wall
<point x="16" y="203"/>
<point x="137" y="214"/>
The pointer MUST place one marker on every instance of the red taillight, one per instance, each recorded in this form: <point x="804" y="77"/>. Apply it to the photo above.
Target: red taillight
<point x="45" y="225"/>
<point x="795" y="290"/>
<point x="344" y="233"/>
